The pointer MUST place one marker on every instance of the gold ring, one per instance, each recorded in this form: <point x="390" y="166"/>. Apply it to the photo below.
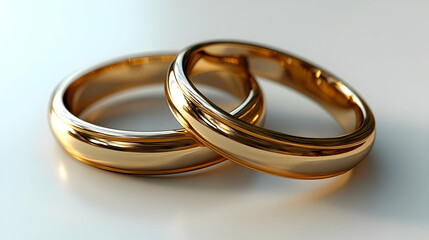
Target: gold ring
<point x="158" y="152"/>
<point x="262" y="149"/>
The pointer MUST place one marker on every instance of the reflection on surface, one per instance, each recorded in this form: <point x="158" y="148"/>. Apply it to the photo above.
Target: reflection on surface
<point x="335" y="184"/>
<point x="62" y="172"/>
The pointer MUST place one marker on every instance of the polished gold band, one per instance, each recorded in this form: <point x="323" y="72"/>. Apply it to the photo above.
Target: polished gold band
<point x="258" y="148"/>
<point x="159" y="152"/>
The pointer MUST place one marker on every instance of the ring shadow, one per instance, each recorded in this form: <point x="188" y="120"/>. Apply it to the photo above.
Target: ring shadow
<point x="391" y="183"/>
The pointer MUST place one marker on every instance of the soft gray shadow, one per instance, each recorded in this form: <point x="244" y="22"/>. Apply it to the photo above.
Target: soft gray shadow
<point x="393" y="182"/>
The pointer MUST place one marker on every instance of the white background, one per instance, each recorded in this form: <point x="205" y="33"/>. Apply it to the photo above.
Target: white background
<point x="381" y="48"/>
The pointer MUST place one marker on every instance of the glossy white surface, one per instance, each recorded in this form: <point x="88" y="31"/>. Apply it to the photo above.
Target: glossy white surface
<point x="380" y="48"/>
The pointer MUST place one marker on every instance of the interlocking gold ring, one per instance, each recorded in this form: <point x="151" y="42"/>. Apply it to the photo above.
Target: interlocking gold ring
<point x="261" y="149"/>
<point x="159" y="152"/>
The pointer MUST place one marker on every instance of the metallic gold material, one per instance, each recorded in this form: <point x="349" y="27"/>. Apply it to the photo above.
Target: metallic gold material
<point x="262" y="149"/>
<point x="159" y="152"/>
